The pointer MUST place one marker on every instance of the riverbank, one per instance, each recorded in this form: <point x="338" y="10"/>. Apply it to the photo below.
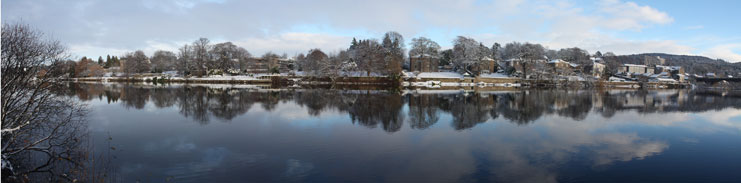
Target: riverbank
<point x="430" y="82"/>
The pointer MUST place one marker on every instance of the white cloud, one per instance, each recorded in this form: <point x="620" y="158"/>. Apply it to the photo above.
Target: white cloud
<point x="271" y="25"/>
<point x="295" y="42"/>
<point x="727" y="52"/>
<point x="629" y="15"/>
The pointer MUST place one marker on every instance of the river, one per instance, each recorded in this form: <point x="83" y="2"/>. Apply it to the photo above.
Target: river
<point x="230" y="133"/>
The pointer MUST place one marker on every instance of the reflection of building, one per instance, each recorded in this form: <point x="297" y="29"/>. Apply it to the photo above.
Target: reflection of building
<point x="423" y="63"/>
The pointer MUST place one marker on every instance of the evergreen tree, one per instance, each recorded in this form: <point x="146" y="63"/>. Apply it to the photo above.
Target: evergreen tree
<point x="100" y="60"/>
<point x="107" y="61"/>
<point x="116" y="61"/>
<point x="354" y="43"/>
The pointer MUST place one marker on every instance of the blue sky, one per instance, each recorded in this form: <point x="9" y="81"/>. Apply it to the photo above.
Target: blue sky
<point x="95" y="28"/>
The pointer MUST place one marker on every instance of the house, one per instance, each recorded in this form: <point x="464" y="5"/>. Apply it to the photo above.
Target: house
<point x="653" y="61"/>
<point x="484" y="66"/>
<point x="263" y="65"/>
<point x="616" y="79"/>
<point x="558" y="63"/>
<point x="598" y="68"/>
<point x="286" y="64"/>
<point x="513" y="63"/>
<point x="423" y="63"/>
<point x="561" y="67"/>
<point x="489" y="65"/>
<point x="636" y="69"/>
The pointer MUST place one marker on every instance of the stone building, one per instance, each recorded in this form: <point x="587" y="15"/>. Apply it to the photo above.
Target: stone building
<point x="423" y="63"/>
<point x="653" y="61"/>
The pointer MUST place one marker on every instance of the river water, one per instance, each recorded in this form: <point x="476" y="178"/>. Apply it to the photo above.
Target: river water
<point x="225" y="133"/>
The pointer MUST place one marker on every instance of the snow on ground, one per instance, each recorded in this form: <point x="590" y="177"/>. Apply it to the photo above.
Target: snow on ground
<point x="170" y="73"/>
<point x="360" y="74"/>
<point x="218" y="77"/>
<point x="494" y="75"/>
<point x="439" y="75"/>
<point x="408" y="74"/>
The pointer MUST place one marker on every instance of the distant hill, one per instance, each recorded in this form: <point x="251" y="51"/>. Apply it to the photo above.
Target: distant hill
<point x="691" y="64"/>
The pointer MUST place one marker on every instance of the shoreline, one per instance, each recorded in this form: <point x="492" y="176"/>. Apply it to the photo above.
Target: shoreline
<point x="415" y="83"/>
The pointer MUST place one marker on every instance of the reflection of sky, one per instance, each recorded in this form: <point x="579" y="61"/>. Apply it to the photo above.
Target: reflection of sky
<point x="287" y="144"/>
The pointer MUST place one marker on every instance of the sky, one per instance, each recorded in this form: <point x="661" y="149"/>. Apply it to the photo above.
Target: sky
<point x="95" y="28"/>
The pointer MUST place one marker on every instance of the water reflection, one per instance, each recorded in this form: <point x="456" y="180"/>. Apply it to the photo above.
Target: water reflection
<point x="249" y="134"/>
<point x="380" y="108"/>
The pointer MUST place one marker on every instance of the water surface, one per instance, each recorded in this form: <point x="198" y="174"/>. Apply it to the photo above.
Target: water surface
<point x="224" y="133"/>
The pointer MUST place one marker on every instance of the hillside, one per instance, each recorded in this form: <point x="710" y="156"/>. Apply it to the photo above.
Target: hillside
<point x="692" y="64"/>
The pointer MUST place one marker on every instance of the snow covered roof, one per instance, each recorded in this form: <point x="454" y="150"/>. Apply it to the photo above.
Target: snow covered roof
<point x="665" y="80"/>
<point x="557" y="61"/>
<point x="493" y="75"/>
<point x="573" y="65"/>
<point x="424" y="55"/>
<point x="634" y="65"/>
<point x="487" y="58"/>
<point x="439" y="75"/>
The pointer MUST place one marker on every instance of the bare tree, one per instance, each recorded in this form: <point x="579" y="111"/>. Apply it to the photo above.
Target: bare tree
<point x="368" y="55"/>
<point x="423" y="46"/>
<point x="496" y="51"/>
<point x="163" y="61"/>
<point x="185" y="59"/>
<point x="36" y="122"/>
<point x="315" y="61"/>
<point x="201" y="57"/>
<point x="87" y="68"/>
<point x="574" y="55"/>
<point x="226" y="56"/>
<point x="467" y="52"/>
<point x="336" y="64"/>
<point x="135" y="62"/>
<point x="531" y="55"/>
<point x="243" y="57"/>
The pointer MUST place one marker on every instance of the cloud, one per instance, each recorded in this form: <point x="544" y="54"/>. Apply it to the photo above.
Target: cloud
<point x="95" y="28"/>
<point x="629" y="15"/>
<point x="294" y="43"/>
<point x="727" y="52"/>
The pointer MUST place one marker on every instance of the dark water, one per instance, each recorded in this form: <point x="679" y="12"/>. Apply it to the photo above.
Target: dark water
<point x="247" y="134"/>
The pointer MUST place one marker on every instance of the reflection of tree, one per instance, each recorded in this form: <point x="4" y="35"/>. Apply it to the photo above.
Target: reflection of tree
<point x="134" y="96"/>
<point x="162" y="97"/>
<point x="521" y="108"/>
<point x="372" y="107"/>
<point x="423" y="111"/>
<point x="469" y="110"/>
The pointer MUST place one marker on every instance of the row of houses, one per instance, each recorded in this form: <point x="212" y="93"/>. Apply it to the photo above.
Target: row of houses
<point x="268" y="65"/>
<point x="428" y="63"/>
<point x="653" y="70"/>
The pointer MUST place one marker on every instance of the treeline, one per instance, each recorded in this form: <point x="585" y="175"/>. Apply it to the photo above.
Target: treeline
<point x="371" y="57"/>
